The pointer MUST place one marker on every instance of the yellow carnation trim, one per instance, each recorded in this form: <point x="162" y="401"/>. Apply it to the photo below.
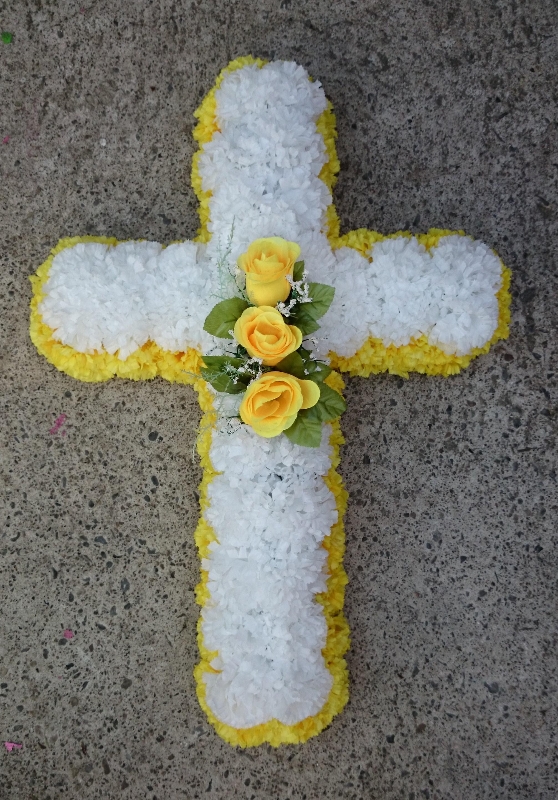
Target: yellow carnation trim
<point x="418" y="355"/>
<point x="150" y="361"/>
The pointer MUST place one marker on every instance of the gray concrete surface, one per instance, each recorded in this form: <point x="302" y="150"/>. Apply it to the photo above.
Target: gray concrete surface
<point x="446" y="117"/>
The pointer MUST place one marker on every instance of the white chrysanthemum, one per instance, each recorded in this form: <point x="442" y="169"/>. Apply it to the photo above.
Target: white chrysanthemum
<point x="270" y="510"/>
<point x="447" y="294"/>
<point x="470" y="275"/>
<point x="117" y="298"/>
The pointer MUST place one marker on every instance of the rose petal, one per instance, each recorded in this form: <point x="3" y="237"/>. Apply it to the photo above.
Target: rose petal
<point x="310" y="393"/>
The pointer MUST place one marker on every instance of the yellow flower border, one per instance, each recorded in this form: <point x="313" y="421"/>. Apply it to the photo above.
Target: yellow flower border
<point x="150" y="360"/>
<point x="418" y="355"/>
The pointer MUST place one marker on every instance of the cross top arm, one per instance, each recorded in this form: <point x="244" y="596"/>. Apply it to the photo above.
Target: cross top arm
<point x="271" y="536"/>
<point x="428" y="303"/>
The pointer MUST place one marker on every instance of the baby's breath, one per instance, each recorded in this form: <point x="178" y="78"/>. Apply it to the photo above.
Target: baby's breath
<point x="254" y="366"/>
<point x="227" y="271"/>
<point x="286" y="308"/>
<point x="300" y="293"/>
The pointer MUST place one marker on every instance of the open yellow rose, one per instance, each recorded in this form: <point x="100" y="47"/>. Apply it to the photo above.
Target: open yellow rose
<point x="264" y="334"/>
<point x="266" y="263"/>
<point x="271" y="403"/>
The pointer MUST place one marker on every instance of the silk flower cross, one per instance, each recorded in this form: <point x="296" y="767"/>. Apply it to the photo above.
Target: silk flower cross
<point x="271" y="633"/>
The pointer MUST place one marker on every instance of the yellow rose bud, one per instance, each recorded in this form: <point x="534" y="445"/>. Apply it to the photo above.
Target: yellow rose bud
<point x="271" y="403"/>
<point x="264" y="334"/>
<point x="266" y="263"/>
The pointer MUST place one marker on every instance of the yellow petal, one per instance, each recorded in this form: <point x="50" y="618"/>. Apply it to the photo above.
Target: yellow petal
<point x="297" y="333"/>
<point x="267" y="294"/>
<point x="289" y="421"/>
<point x="310" y="393"/>
<point x="268" y="431"/>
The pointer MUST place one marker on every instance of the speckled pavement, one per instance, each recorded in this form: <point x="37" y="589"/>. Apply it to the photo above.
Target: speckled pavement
<point x="447" y="117"/>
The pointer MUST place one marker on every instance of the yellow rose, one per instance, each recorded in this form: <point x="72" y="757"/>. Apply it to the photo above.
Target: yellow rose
<point x="271" y="403"/>
<point x="264" y="334"/>
<point x="266" y="263"/>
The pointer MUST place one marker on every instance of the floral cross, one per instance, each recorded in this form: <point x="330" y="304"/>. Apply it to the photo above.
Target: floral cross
<point x="277" y="301"/>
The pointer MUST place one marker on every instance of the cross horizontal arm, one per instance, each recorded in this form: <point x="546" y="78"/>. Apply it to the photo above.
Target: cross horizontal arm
<point x="401" y="302"/>
<point x="447" y="299"/>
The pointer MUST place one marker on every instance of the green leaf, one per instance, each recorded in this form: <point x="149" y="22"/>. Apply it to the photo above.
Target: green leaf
<point x="313" y="369"/>
<point x="303" y="319"/>
<point x="305" y="431"/>
<point x="322" y="296"/>
<point x="298" y="270"/>
<point x="293" y="364"/>
<point x="330" y="405"/>
<point x="317" y="370"/>
<point x="304" y="315"/>
<point x="214" y="373"/>
<point x="222" y="382"/>
<point x="222" y="317"/>
<point x="221" y="361"/>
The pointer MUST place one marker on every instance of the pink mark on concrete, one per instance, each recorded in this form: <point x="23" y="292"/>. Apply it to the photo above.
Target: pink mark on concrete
<point x="12" y="746"/>
<point x="82" y="10"/>
<point x="58" y="424"/>
<point x="68" y="634"/>
<point x="5" y="140"/>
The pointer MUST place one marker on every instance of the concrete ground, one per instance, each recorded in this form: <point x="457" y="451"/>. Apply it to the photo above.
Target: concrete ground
<point x="446" y="117"/>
